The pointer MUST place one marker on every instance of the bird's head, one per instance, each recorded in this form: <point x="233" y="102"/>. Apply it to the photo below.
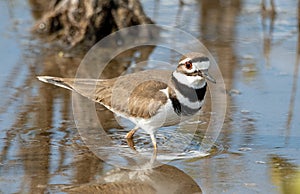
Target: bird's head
<point x="192" y="70"/>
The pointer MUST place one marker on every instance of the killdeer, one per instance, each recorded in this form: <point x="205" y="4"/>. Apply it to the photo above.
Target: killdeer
<point x="151" y="99"/>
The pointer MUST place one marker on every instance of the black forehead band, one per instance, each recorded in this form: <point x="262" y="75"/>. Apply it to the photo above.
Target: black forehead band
<point x="200" y="59"/>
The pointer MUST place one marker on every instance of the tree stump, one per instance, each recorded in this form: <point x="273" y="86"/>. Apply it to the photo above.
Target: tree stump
<point x="76" y="21"/>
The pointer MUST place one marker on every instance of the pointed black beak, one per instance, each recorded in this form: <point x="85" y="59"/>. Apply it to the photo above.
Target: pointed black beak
<point x="206" y="75"/>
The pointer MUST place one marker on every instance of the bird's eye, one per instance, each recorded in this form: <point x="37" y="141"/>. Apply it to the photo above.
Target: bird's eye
<point x="188" y="65"/>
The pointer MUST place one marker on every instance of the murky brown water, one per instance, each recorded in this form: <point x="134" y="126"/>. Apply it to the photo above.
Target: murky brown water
<point x="258" y="148"/>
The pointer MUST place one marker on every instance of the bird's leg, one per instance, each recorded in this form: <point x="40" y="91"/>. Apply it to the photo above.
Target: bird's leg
<point x="153" y="158"/>
<point x="131" y="132"/>
<point x="129" y="137"/>
<point x="130" y="143"/>
<point x="152" y="135"/>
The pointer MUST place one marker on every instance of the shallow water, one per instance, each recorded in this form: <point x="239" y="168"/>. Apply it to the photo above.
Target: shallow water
<point x="257" y="150"/>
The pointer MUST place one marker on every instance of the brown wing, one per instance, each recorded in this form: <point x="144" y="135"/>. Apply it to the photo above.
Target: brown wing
<point x="140" y="94"/>
<point x="146" y="99"/>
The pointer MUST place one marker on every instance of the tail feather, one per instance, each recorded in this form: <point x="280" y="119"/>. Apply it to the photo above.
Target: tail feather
<point x="94" y="89"/>
<point x="61" y="82"/>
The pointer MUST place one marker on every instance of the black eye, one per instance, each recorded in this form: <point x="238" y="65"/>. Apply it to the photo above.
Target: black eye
<point x="188" y="65"/>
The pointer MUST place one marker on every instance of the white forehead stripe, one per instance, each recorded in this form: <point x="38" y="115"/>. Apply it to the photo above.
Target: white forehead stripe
<point x="185" y="60"/>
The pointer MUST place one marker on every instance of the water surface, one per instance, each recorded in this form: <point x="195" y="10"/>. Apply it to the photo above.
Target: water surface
<point x="257" y="149"/>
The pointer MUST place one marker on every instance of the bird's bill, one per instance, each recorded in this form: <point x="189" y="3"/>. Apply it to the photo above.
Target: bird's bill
<point x="208" y="77"/>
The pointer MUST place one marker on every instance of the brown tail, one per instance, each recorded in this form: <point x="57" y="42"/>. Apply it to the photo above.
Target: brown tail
<point x="61" y="82"/>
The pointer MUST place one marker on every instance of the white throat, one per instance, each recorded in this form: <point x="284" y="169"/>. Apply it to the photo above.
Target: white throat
<point x="195" y="82"/>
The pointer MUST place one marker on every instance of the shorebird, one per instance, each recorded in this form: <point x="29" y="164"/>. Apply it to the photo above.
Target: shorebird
<point x="150" y="99"/>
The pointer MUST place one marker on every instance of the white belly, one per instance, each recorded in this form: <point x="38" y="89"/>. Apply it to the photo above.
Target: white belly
<point x="165" y="117"/>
